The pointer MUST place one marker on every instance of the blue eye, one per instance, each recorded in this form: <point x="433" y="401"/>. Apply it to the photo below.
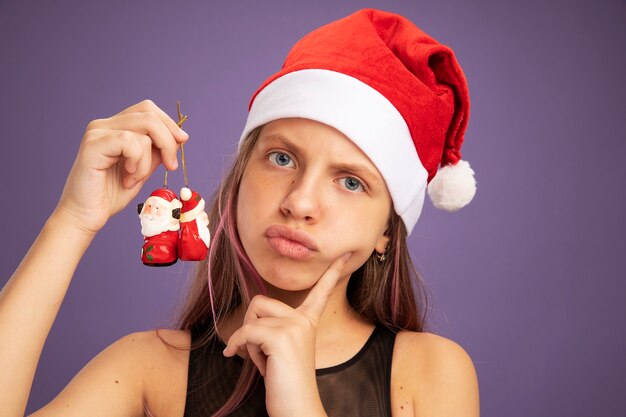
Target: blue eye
<point x="353" y="184"/>
<point x="280" y="158"/>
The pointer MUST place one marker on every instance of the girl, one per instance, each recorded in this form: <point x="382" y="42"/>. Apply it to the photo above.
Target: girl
<point x="306" y="303"/>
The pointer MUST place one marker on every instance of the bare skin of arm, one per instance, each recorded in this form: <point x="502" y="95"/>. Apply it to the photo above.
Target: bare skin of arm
<point x="434" y="376"/>
<point x="29" y="303"/>
<point x="127" y="379"/>
<point x="115" y="157"/>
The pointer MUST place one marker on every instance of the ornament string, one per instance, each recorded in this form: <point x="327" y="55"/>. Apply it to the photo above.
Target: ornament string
<point x="181" y="119"/>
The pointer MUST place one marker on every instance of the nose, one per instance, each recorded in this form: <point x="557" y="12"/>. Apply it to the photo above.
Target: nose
<point x="302" y="199"/>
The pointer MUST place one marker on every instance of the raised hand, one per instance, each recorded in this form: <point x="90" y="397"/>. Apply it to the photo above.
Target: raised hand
<point x="114" y="156"/>
<point x="280" y="340"/>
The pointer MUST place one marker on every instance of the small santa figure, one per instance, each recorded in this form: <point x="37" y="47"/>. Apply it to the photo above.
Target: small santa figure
<point x="159" y="225"/>
<point x="193" y="243"/>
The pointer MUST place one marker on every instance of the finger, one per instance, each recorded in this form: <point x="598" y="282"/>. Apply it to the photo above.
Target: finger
<point x="315" y="302"/>
<point x="153" y="163"/>
<point x="262" y="306"/>
<point x="108" y="147"/>
<point x="103" y="148"/>
<point x="150" y="106"/>
<point x="256" y="334"/>
<point x="143" y="166"/>
<point x="156" y="160"/>
<point x="132" y="151"/>
<point x="258" y="357"/>
<point x="146" y="123"/>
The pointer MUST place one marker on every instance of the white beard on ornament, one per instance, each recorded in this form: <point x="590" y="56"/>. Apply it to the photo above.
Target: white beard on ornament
<point x="152" y="226"/>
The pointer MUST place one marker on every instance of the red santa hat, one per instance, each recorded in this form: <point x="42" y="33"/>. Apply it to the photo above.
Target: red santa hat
<point x="193" y="204"/>
<point x="393" y="90"/>
<point x="164" y="193"/>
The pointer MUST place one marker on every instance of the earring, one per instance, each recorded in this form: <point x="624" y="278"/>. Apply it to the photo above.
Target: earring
<point x="381" y="257"/>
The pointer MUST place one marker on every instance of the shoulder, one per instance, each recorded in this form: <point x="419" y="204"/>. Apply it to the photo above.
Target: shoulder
<point x="437" y="349"/>
<point x="126" y="376"/>
<point x="156" y="360"/>
<point x="438" y="374"/>
<point x="166" y="363"/>
<point x="147" y="349"/>
<point x="153" y="341"/>
<point x="162" y="358"/>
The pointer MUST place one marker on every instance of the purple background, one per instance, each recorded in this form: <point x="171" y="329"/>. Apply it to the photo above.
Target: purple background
<point x="529" y="278"/>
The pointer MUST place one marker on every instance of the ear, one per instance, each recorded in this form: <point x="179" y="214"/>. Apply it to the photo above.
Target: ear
<point x="381" y="245"/>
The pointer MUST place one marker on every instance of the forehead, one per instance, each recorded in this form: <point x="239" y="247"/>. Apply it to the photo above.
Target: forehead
<point x="314" y="139"/>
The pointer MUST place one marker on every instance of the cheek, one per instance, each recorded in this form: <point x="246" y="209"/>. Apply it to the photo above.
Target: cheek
<point x="252" y="200"/>
<point x="253" y="204"/>
<point x="360" y="225"/>
<point x="357" y="230"/>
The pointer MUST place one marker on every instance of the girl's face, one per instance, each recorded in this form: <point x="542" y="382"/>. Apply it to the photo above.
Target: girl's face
<point x="306" y="177"/>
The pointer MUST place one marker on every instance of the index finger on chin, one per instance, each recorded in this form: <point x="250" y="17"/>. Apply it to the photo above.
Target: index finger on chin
<point x="315" y="302"/>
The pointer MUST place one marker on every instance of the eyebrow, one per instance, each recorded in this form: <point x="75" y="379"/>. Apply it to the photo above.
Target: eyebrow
<point x="359" y="169"/>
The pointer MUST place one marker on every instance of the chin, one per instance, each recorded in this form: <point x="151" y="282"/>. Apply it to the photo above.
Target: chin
<point x="287" y="277"/>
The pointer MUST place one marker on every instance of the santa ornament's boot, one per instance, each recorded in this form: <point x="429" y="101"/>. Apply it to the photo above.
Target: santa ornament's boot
<point x="193" y="243"/>
<point x="160" y="250"/>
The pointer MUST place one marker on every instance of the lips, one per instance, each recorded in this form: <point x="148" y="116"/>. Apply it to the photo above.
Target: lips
<point x="289" y="242"/>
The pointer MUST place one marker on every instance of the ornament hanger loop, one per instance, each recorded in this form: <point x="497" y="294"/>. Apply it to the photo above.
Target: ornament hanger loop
<point x="181" y="119"/>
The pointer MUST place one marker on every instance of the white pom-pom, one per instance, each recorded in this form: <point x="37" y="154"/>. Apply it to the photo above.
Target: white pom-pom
<point x="185" y="193"/>
<point x="453" y="186"/>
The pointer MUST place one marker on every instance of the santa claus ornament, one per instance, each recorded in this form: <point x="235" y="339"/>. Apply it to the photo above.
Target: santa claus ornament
<point x="159" y="225"/>
<point x="193" y="243"/>
<point x="163" y="216"/>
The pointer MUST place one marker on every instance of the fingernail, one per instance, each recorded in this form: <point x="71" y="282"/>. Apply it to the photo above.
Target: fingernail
<point x="182" y="132"/>
<point x="346" y="256"/>
<point x="174" y="164"/>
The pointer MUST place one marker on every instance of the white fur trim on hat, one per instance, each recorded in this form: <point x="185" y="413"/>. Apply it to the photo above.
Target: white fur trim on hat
<point x="359" y="112"/>
<point x="193" y="213"/>
<point x="453" y="186"/>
